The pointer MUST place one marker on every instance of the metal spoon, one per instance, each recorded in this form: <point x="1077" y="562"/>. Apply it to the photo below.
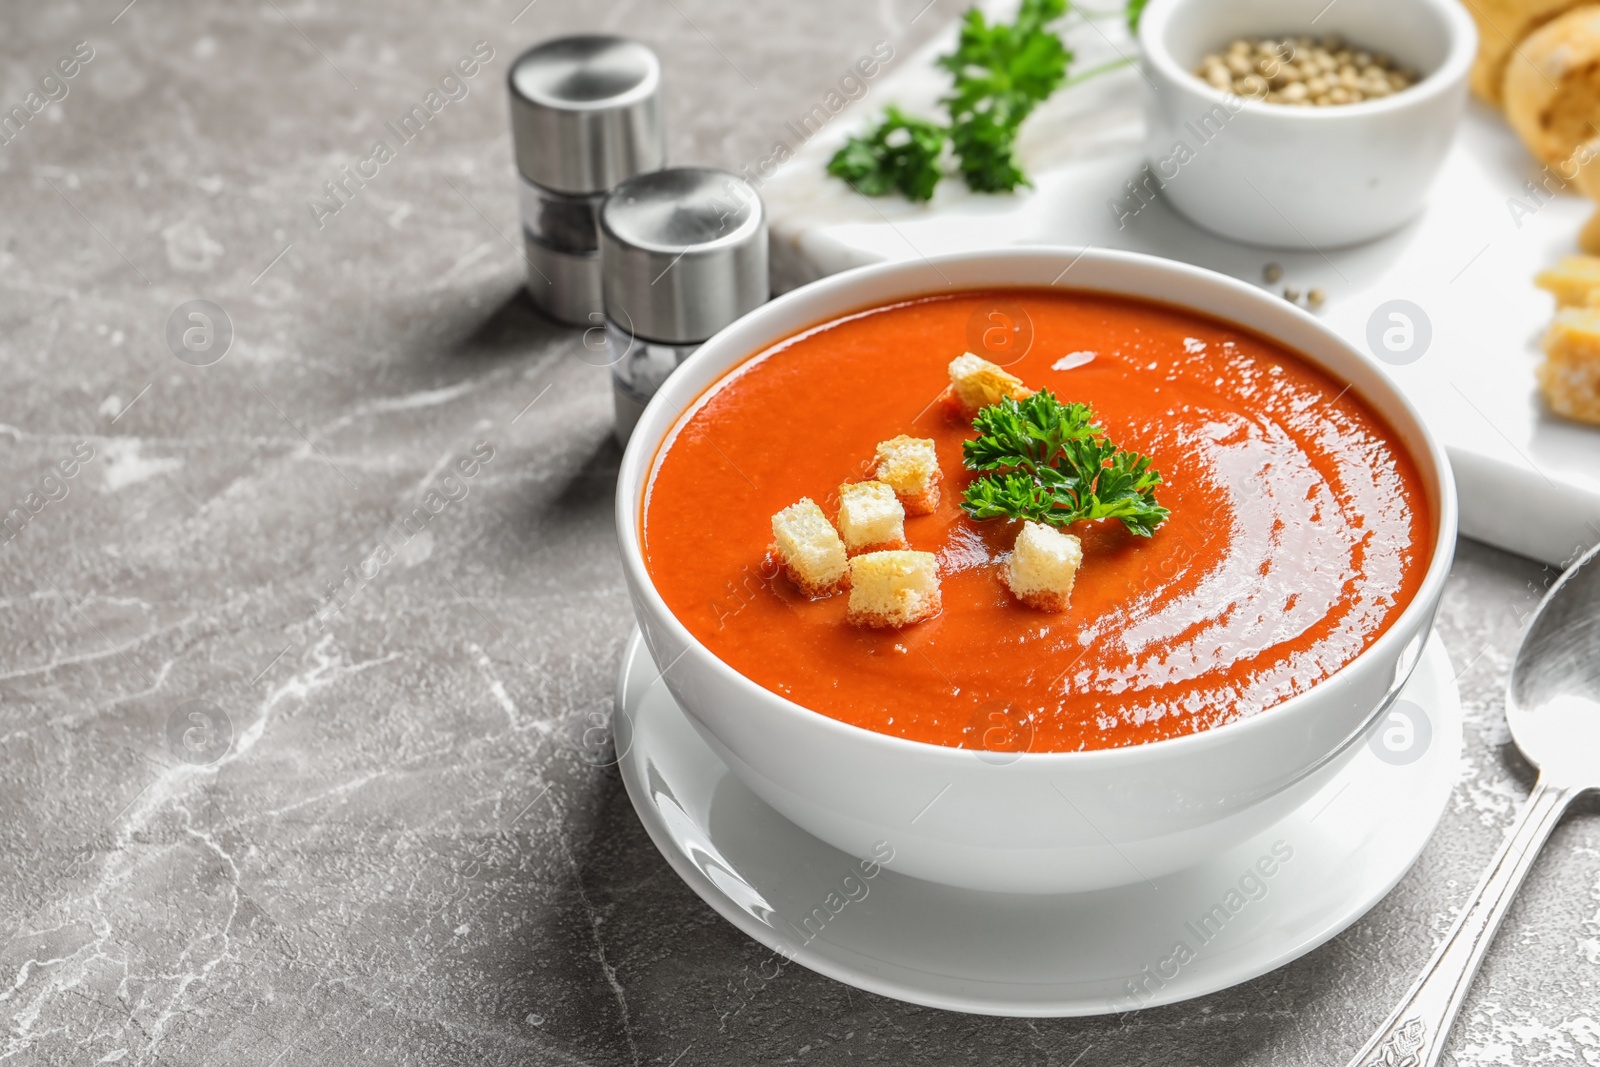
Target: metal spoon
<point x="1553" y="708"/>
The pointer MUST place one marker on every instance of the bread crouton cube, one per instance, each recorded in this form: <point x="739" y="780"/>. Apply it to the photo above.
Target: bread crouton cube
<point x="889" y="589"/>
<point x="1570" y="374"/>
<point x="910" y="466"/>
<point x="977" y="383"/>
<point x="1043" y="566"/>
<point x="809" y="548"/>
<point x="871" y="517"/>
<point x="1574" y="282"/>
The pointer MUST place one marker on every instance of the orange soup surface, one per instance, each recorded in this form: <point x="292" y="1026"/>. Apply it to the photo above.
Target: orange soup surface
<point x="1299" y="527"/>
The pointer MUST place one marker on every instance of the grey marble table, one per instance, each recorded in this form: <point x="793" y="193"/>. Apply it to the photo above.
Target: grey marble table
<point x="396" y="859"/>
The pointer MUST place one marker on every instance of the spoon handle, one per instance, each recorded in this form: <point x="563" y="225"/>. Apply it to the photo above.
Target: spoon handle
<point x="1414" y="1035"/>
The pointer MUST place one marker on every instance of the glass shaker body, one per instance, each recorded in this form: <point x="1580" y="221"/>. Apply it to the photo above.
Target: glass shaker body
<point x="638" y="370"/>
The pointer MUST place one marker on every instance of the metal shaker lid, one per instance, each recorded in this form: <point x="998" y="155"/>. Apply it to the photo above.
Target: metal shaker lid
<point x="683" y="252"/>
<point x="586" y="112"/>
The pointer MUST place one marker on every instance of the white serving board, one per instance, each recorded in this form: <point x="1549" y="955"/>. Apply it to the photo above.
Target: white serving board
<point x="1529" y="481"/>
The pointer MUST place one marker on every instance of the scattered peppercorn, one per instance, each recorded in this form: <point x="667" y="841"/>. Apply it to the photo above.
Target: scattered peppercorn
<point x="1271" y="272"/>
<point x="1291" y="294"/>
<point x="1316" y="298"/>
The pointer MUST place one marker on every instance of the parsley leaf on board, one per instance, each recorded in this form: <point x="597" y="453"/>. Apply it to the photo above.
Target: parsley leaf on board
<point x="1050" y="462"/>
<point x="1001" y="72"/>
<point x="1135" y="9"/>
<point x="900" y="155"/>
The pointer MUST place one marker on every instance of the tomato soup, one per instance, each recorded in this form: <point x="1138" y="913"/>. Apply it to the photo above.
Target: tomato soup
<point x="1299" y="526"/>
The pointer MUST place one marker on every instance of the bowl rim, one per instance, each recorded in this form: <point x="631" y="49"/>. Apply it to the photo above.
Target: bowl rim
<point x="644" y="447"/>
<point x="1462" y="52"/>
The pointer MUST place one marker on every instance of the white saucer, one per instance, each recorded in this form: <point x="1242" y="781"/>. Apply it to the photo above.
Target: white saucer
<point x="998" y="954"/>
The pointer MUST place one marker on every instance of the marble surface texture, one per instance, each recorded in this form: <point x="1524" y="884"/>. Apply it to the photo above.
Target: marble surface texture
<point x="397" y="858"/>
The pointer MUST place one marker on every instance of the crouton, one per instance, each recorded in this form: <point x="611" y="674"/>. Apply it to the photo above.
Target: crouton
<point x="809" y="548"/>
<point x="1574" y="282"/>
<point x="1570" y="374"/>
<point x="1043" y="566"/>
<point x="976" y="383"/>
<point x="889" y="589"/>
<point x="910" y="466"/>
<point x="871" y="518"/>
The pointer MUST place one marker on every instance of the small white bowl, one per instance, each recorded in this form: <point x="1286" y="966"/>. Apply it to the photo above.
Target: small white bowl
<point x="1302" y="177"/>
<point x="1030" y="822"/>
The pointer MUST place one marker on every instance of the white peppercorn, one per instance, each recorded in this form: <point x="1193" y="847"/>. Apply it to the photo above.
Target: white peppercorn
<point x="1303" y="71"/>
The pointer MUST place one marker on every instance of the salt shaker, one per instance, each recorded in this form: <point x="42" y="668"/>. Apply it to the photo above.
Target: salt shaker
<point x="585" y="114"/>
<point x="684" y="253"/>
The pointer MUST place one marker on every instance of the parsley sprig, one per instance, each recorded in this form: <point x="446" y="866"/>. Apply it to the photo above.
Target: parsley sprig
<point x="902" y="154"/>
<point x="1000" y="72"/>
<point x="1052" y="463"/>
<point x="1135" y="9"/>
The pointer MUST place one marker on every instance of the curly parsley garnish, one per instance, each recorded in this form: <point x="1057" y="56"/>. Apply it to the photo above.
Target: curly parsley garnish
<point x="1050" y="462"/>
<point x="1001" y="72"/>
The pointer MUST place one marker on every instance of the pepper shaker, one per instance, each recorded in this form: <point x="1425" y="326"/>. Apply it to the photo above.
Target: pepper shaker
<point x="684" y="253"/>
<point x="585" y="114"/>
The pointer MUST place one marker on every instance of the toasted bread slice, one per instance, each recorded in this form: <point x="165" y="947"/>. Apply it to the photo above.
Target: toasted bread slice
<point x="871" y="517"/>
<point x="1570" y="374"/>
<point x="1502" y="25"/>
<point x="890" y="589"/>
<point x="1549" y="92"/>
<point x="1582" y="169"/>
<point x="1043" y="566"/>
<point x="910" y="466"/>
<point x="976" y="383"/>
<point x="809" y="548"/>
<point x="1589" y="237"/>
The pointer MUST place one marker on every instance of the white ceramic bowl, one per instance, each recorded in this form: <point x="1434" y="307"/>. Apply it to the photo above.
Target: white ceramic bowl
<point x="1030" y="822"/>
<point x="1302" y="177"/>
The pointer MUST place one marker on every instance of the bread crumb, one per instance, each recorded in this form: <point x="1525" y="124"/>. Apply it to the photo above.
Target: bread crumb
<point x="910" y="466"/>
<point x="892" y="589"/>
<point x="977" y="383"/>
<point x="1043" y="566"/>
<point x="809" y="548"/>
<point x="871" y="517"/>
